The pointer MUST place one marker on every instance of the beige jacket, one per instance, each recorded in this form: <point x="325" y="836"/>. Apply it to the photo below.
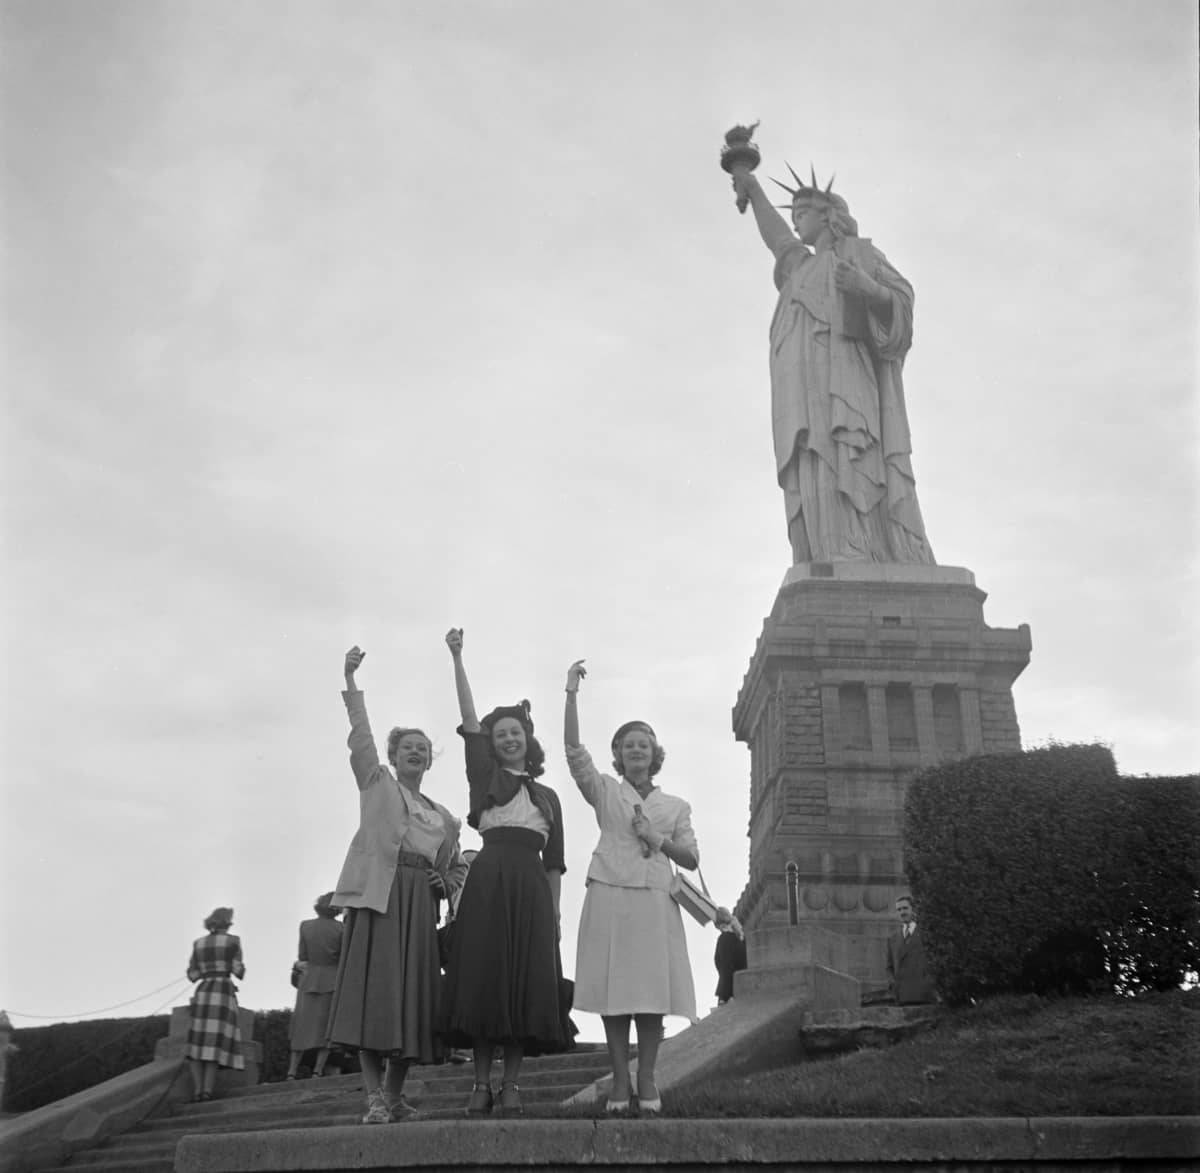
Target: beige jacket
<point x="366" y="877"/>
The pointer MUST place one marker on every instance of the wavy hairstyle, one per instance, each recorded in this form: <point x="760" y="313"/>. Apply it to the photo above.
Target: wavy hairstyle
<point x="657" y="756"/>
<point x="535" y="756"/>
<point x="218" y="920"/>
<point x="393" y="742"/>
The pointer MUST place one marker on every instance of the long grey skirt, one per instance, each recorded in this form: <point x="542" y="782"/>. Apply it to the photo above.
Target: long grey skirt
<point x="386" y="996"/>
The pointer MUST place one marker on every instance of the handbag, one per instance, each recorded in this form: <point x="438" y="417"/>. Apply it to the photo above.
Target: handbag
<point x="296" y="974"/>
<point x="695" y="902"/>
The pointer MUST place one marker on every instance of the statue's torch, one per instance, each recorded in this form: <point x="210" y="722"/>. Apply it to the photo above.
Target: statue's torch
<point x="740" y="154"/>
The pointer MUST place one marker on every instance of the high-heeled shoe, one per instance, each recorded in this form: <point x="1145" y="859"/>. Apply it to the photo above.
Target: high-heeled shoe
<point x="509" y="1102"/>
<point x="480" y="1103"/>
<point x="649" y="1106"/>
<point x="616" y="1107"/>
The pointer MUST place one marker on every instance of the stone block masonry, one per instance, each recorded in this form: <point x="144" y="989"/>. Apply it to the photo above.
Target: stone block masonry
<point x="864" y="674"/>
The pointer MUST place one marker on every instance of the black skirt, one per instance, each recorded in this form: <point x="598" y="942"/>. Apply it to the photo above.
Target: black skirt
<point x="504" y="979"/>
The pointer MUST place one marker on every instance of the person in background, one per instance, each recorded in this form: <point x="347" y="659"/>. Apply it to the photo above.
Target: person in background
<point x="214" y="1036"/>
<point x="908" y="980"/>
<point x="446" y="944"/>
<point x="317" y="959"/>
<point x="504" y="986"/>
<point x="632" y="959"/>
<point x="730" y="954"/>
<point x="404" y="857"/>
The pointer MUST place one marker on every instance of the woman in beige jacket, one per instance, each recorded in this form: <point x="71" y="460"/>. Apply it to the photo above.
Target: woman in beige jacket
<point x="403" y="859"/>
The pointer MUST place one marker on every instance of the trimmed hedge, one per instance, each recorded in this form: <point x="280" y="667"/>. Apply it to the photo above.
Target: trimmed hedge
<point x="271" y="1028"/>
<point x="68" y="1057"/>
<point x="1047" y="872"/>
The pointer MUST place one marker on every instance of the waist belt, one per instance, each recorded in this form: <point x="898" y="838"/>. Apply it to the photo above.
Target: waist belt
<point x="410" y="859"/>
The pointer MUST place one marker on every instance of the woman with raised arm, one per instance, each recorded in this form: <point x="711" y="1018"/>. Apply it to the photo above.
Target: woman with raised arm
<point x="403" y="859"/>
<point x="632" y="960"/>
<point x="503" y="984"/>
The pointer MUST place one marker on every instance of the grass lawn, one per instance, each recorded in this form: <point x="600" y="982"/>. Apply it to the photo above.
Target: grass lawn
<point x="1010" y="1056"/>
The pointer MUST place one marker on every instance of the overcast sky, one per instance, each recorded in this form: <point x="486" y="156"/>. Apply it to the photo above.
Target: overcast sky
<point x="337" y="323"/>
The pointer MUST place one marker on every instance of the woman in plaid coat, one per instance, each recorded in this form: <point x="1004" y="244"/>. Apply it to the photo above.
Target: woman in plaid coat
<point x="214" y="1038"/>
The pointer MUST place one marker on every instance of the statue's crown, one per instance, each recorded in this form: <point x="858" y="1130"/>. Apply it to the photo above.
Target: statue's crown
<point x="808" y="191"/>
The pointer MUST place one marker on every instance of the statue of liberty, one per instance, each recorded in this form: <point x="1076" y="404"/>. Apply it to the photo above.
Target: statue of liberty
<point x="842" y="328"/>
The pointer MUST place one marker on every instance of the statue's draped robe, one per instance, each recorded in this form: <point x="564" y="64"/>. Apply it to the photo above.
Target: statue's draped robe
<point x="842" y="448"/>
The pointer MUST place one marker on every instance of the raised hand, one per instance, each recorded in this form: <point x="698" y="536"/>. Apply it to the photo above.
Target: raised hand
<point x="354" y="658"/>
<point x="454" y="641"/>
<point x="575" y="674"/>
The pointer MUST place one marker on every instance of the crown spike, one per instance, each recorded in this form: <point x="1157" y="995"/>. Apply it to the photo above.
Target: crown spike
<point x="829" y="185"/>
<point x="813" y="172"/>
<point x="791" y="191"/>
<point x="799" y="181"/>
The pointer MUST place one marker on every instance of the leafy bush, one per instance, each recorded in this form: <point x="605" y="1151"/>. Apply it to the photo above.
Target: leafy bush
<point x="1045" y="871"/>
<point x="1152" y="932"/>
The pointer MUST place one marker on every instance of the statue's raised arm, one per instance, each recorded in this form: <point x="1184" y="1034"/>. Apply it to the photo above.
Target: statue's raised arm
<point x="839" y="337"/>
<point x="739" y="157"/>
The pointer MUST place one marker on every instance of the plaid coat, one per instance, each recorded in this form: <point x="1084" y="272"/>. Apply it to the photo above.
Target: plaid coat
<point x="214" y="1034"/>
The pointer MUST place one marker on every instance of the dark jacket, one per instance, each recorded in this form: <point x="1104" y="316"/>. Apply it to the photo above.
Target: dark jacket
<point x="907" y="977"/>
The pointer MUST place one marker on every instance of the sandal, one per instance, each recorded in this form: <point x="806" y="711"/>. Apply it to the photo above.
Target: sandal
<point x="399" y="1108"/>
<point x="377" y="1109"/>
<point x="480" y="1103"/>
<point x="510" y="1100"/>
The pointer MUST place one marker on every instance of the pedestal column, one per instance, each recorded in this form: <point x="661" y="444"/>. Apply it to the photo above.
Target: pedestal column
<point x="865" y="673"/>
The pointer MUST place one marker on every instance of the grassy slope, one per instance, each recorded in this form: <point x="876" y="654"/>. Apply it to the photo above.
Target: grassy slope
<point x="1007" y="1057"/>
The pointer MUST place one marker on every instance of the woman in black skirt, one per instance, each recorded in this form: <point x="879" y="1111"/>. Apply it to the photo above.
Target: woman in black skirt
<point x="403" y="859"/>
<point x="503" y="983"/>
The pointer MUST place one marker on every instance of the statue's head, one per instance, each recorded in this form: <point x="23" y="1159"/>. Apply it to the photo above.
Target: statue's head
<point x="827" y="208"/>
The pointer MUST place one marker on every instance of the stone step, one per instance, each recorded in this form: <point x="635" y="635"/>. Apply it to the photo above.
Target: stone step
<point x="326" y="1098"/>
<point x="344" y="1108"/>
<point x="127" y="1149"/>
<point x="440" y="1092"/>
<point x="119" y="1163"/>
<point x="831" y="1032"/>
<point x="583" y="1055"/>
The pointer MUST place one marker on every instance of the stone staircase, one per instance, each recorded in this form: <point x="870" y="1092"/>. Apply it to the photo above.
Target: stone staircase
<point x="439" y="1092"/>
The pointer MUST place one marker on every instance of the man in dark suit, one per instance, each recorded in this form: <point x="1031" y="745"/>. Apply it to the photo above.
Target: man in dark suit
<point x="907" y="978"/>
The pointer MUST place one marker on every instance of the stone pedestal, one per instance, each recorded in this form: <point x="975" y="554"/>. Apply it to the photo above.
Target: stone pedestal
<point x="174" y="1046"/>
<point x="865" y="673"/>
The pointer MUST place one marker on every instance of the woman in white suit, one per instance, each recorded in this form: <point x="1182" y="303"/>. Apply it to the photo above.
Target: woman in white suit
<point x="403" y="859"/>
<point x="632" y="960"/>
